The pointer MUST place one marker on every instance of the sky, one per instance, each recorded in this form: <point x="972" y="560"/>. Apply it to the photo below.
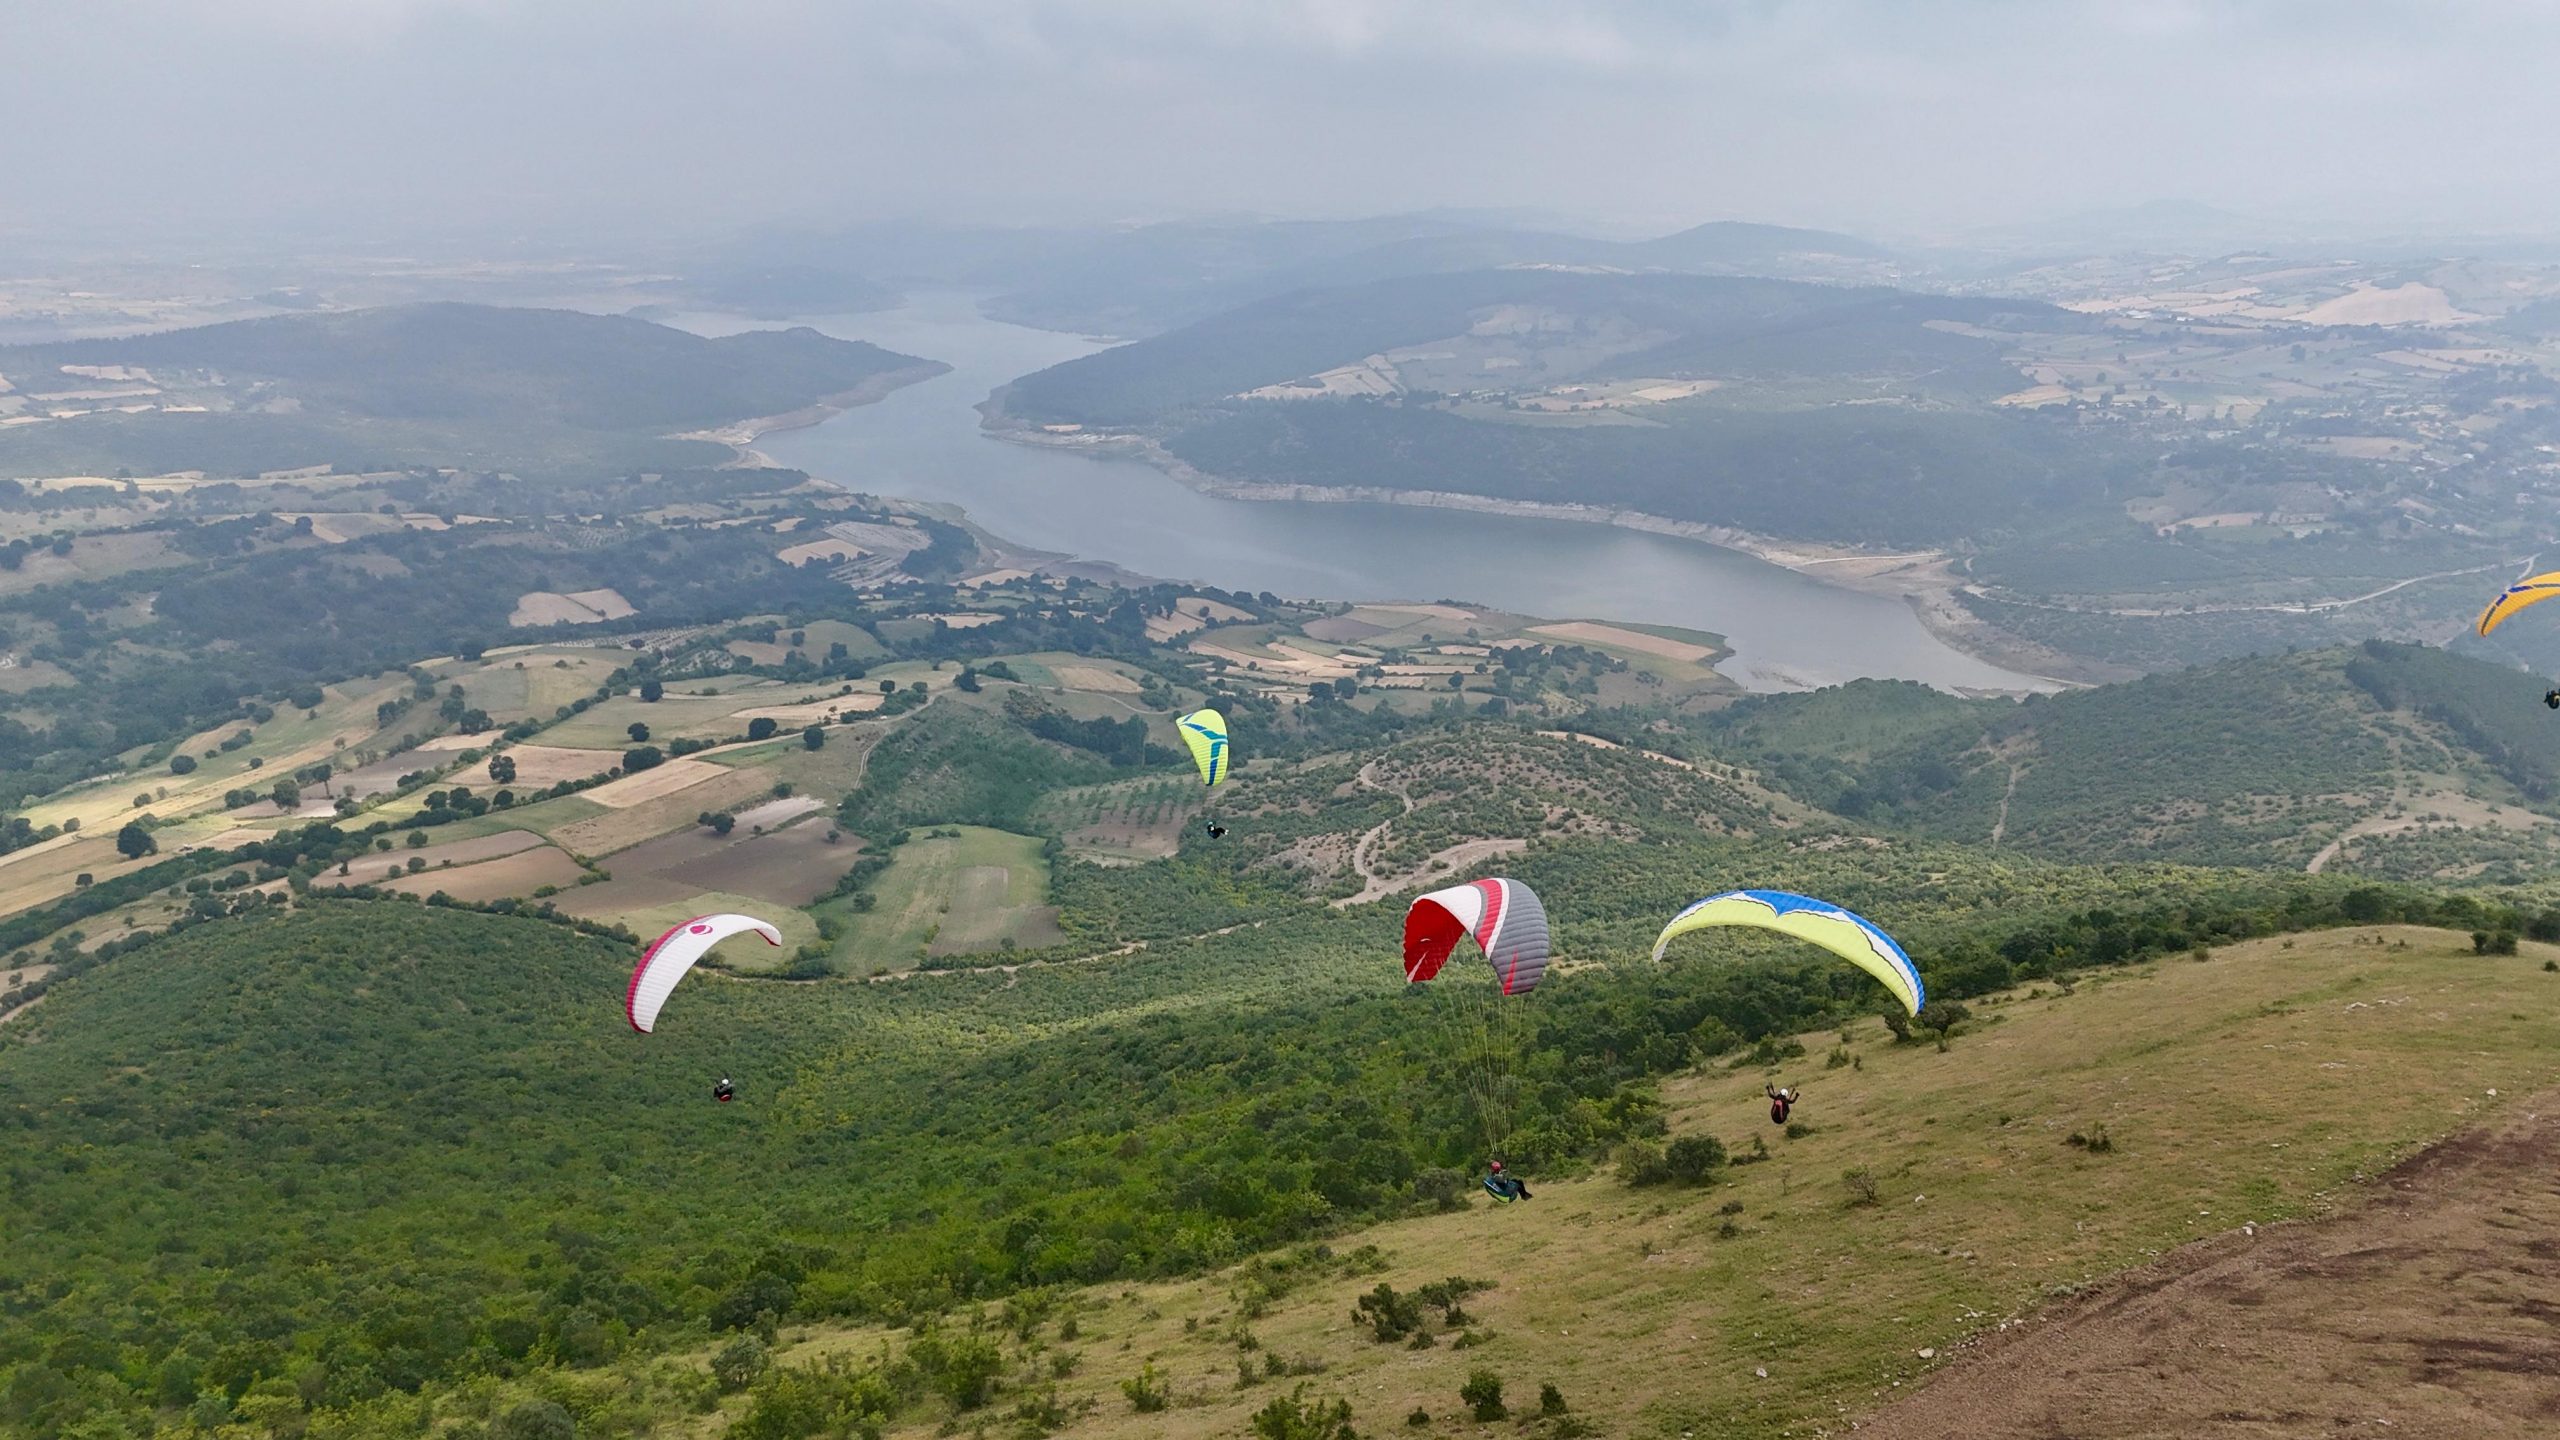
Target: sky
<point x="278" y="119"/>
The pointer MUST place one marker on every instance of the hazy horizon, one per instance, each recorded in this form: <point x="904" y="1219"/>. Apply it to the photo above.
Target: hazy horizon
<point x="383" y="121"/>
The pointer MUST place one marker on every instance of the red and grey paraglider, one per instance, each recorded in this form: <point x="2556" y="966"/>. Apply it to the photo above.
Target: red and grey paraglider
<point x="1505" y="918"/>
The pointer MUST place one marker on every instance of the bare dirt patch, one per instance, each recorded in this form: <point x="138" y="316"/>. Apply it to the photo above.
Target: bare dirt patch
<point x="620" y="829"/>
<point x="1094" y="678"/>
<point x="791" y="866"/>
<point x="539" y="765"/>
<point x="2368" y="304"/>
<point x="655" y="783"/>
<point x="458" y="852"/>
<point x="1590" y="633"/>
<point x="815" y="712"/>
<point x="829" y="550"/>
<point x="2427" y="1310"/>
<point x="583" y="607"/>
<point x="516" y="875"/>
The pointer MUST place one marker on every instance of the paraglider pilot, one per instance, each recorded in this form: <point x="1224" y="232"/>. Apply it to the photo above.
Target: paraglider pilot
<point x="1215" y="830"/>
<point x="1502" y="1185"/>
<point x="724" y="1092"/>
<point x="1782" y="1099"/>
<point x="2551" y="698"/>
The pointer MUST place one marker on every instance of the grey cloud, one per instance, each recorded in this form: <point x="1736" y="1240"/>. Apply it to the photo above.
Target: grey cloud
<point x="288" y="118"/>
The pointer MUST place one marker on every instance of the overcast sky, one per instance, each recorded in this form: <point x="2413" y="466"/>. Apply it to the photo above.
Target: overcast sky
<point x="384" y="118"/>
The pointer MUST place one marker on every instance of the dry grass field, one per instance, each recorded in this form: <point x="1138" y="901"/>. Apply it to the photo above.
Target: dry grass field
<point x="2239" y="1101"/>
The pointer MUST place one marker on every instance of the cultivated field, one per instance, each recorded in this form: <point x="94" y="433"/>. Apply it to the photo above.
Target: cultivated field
<point x="516" y="875"/>
<point x="952" y="890"/>
<point x="1126" y="821"/>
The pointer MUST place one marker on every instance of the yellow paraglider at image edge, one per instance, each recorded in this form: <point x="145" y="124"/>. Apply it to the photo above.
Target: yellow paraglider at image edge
<point x="1850" y="936"/>
<point x="2531" y="591"/>
<point x="1205" y="731"/>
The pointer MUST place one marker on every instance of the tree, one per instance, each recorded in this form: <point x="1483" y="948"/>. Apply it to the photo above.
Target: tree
<point x="639" y="732"/>
<point x="815" y="737"/>
<point x="502" y="769"/>
<point x="651" y="690"/>
<point x="762" y="727"/>
<point x="740" y="1363"/>
<point x="1482" y="1394"/>
<point x="182" y="764"/>
<point x="133" y="842"/>
<point x="644" y="758"/>
<point x="721" y="823"/>
<point x="287" y="794"/>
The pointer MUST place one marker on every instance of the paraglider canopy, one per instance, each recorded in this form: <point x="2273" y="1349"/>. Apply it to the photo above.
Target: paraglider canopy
<point x="672" y="954"/>
<point x="1506" y="919"/>
<point x="1851" y="937"/>
<point x="1205" y="731"/>
<point x="2532" y="590"/>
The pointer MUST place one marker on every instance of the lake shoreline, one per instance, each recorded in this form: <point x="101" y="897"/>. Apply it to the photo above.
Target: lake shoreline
<point x="741" y="437"/>
<point x="1922" y="580"/>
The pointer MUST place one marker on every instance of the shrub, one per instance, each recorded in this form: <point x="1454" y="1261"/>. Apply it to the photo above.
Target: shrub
<point x="1861" y="1185"/>
<point x="1640" y="1162"/>
<point x="2095" y="1140"/>
<point x="1482" y="1395"/>
<point x="1550" y="1401"/>
<point x="1388" y="1315"/>
<point x="1146" y="1390"/>
<point x="1441" y="1188"/>
<point x="1690" y="1159"/>
<point x="534" y="1420"/>
<point x="1296" y="1417"/>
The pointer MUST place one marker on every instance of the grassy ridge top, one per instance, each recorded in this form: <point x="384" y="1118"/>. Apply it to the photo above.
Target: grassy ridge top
<point x="2254" y="1089"/>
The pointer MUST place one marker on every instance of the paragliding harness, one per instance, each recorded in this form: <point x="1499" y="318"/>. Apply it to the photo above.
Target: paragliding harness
<point x="1780" y="1102"/>
<point x="1504" y="1188"/>
<point x="724" y="1092"/>
<point x="1215" y="830"/>
<point x="2551" y="698"/>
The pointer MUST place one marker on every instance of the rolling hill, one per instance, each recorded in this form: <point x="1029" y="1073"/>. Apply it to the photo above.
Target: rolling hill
<point x="458" y="385"/>
<point x="2393" y="760"/>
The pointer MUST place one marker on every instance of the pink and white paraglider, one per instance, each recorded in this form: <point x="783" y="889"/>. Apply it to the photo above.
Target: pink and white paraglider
<point x="672" y="954"/>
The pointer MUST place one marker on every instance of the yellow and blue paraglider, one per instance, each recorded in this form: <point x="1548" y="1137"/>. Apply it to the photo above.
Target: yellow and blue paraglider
<point x="2532" y="590"/>
<point x="1205" y="731"/>
<point x="1851" y="937"/>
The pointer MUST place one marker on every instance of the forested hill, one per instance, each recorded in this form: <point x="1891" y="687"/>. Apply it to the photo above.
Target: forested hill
<point x="1819" y="412"/>
<point x="452" y="361"/>
<point x="1580" y="325"/>
<point x="438" y="385"/>
<point x="2386" y="759"/>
